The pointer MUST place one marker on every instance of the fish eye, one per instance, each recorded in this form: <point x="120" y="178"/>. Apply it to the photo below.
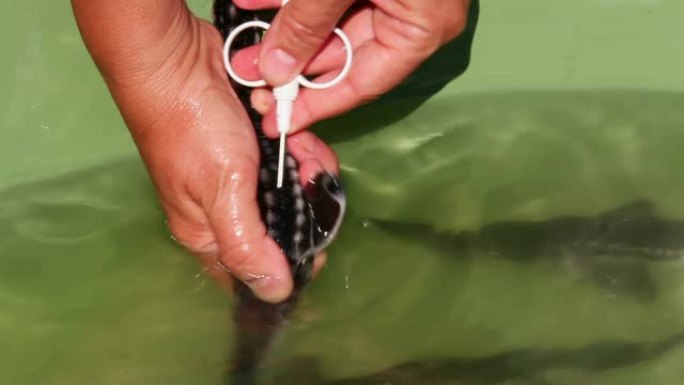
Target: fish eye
<point x="332" y="185"/>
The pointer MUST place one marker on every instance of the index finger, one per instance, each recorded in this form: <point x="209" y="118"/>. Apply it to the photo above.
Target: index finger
<point x="298" y="32"/>
<point x="257" y="4"/>
<point x="376" y="70"/>
<point x="383" y="59"/>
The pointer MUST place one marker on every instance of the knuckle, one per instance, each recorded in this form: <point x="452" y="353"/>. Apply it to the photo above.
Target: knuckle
<point x="219" y="159"/>
<point x="238" y="259"/>
<point x="297" y="26"/>
<point x="455" y="25"/>
<point x="221" y="175"/>
<point x="303" y="34"/>
<point x="418" y="36"/>
<point x="427" y="32"/>
<point x="235" y="178"/>
<point x="199" y="247"/>
<point x="197" y="240"/>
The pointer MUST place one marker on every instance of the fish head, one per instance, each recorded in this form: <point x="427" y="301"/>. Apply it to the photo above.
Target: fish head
<point x="328" y="203"/>
<point x="326" y="206"/>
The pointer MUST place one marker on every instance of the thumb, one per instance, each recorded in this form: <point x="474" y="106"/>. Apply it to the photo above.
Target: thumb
<point x="244" y="247"/>
<point x="298" y="32"/>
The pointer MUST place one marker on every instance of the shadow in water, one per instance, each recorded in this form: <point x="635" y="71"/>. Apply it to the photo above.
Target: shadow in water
<point x="447" y="64"/>
<point x="612" y="250"/>
<point x="525" y="366"/>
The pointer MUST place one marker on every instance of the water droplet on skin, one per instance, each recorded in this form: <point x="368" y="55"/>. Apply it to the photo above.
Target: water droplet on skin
<point x="239" y="231"/>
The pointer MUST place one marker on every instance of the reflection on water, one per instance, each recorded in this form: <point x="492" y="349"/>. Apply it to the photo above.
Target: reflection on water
<point x="494" y="244"/>
<point x="92" y="290"/>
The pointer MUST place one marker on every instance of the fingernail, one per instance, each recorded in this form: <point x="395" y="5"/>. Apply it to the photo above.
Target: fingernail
<point x="279" y="67"/>
<point x="269" y="289"/>
<point x="262" y="101"/>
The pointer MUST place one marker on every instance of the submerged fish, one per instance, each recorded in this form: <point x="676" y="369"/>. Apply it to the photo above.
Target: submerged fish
<point x="612" y="249"/>
<point x="303" y="221"/>
<point x="531" y="366"/>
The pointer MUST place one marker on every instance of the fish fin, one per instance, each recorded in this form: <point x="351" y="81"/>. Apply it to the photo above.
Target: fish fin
<point x="633" y="280"/>
<point x="640" y="208"/>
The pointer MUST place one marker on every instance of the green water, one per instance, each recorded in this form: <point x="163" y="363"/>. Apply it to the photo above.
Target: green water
<point x="93" y="290"/>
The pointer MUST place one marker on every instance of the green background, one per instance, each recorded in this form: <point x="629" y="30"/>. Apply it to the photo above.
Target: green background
<point x="57" y="114"/>
<point x="567" y="108"/>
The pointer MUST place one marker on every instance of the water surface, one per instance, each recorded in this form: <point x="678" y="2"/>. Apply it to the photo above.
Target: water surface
<point x="93" y="290"/>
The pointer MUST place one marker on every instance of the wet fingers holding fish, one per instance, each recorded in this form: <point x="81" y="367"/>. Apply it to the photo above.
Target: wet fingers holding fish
<point x="248" y="191"/>
<point x="162" y="66"/>
<point x="357" y="50"/>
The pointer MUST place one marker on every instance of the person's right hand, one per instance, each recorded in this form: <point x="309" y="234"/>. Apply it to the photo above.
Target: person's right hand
<point x="391" y="38"/>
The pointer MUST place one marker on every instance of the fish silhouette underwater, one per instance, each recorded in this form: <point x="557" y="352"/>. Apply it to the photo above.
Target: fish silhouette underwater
<point x="627" y="238"/>
<point x="528" y="366"/>
<point x="614" y="250"/>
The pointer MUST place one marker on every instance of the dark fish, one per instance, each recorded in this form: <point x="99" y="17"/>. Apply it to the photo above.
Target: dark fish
<point x="303" y="221"/>
<point x="613" y="249"/>
<point x="530" y="366"/>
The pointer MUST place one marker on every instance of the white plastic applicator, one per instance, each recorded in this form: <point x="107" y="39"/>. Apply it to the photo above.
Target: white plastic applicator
<point x="285" y="95"/>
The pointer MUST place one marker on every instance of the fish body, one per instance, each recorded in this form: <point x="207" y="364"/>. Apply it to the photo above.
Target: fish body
<point x="525" y="366"/>
<point x="612" y="249"/>
<point x="630" y="233"/>
<point x="632" y="229"/>
<point x="302" y="220"/>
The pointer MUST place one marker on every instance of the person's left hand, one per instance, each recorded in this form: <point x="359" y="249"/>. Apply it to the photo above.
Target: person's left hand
<point x="163" y="67"/>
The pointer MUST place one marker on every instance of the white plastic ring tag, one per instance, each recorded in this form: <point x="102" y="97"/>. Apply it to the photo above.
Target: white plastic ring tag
<point x="304" y="82"/>
<point x="285" y="95"/>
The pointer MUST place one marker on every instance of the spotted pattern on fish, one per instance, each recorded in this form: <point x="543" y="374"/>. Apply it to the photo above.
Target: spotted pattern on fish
<point x="302" y="221"/>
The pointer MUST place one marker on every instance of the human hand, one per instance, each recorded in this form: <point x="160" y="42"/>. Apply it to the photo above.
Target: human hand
<point x="391" y="38"/>
<point x="163" y="67"/>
